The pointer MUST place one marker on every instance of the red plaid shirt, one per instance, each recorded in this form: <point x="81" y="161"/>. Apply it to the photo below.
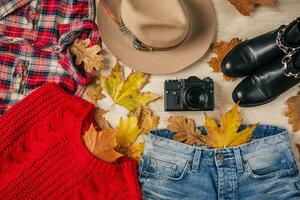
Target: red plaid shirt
<point x="34" y="35"/>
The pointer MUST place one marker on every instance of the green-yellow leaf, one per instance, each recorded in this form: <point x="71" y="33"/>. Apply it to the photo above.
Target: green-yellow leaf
<point x="127" y="92"/>
<point x="113" y="83"/>
<point x="127" y="132"/>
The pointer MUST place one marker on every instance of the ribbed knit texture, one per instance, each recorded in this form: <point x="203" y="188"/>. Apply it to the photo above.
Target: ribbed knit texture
<point x="42" y="155"/>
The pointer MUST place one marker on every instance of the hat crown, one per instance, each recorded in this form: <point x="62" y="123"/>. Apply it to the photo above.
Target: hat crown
<point x="156" y="23"/>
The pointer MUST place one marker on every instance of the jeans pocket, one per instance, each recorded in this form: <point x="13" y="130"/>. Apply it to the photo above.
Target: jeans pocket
<point x="271" y="164"/>
<point x="160" y="164"/>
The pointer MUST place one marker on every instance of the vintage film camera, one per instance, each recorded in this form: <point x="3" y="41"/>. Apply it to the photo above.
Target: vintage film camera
<point x="192" y="94"/>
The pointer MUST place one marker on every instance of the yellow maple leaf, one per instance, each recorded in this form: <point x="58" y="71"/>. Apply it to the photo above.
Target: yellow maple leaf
<point x="227" y="135"/>
<point x="88" y="55"/>
<point x="147" y="120"/>
<point x="127" y="134"/>
<point x="128" y="131"/>
<point x="102" y="144"/>
<point x="127" y="92"/>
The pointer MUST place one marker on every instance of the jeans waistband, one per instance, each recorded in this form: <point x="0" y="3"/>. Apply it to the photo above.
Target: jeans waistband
<point x="265" y="138"/>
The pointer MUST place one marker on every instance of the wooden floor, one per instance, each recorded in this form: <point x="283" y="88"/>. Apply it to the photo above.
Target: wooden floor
<point x="230" y="24"/>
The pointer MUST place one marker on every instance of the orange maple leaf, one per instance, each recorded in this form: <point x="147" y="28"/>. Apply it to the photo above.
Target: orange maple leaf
<point x="102" y="144"/>
<point x="221" y="49"/>
<point x="245" y="7"/>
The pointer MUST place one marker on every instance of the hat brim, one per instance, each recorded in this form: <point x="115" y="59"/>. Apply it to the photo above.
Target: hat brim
<point x="201" y="34"/>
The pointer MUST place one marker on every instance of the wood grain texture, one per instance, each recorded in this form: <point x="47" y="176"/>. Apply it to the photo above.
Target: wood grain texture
<point x="230" y="24"/>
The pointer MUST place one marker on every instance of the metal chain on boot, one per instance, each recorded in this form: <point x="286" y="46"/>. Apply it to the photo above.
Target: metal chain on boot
<point x="280" y="35"/>
<point x="289" y="71"/>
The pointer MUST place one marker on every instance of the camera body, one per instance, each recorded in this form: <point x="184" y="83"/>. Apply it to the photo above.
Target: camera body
<point x="192" y="94"/>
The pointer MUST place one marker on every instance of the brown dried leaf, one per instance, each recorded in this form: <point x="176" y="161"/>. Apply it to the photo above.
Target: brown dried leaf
<point x="293" y="112"/>
<point x="245" y="7"/>
<point x="226" y="135"/>
<point x="102" y="144"/>
<point x="221" y="49"/>
<point x="88" y="55"/>
<point x="146" y="118"/>
<point x="298" y="147"/>
<point x="100" y="119"/>
<point x="94" y="93"/>
<point x="185" y="130"/>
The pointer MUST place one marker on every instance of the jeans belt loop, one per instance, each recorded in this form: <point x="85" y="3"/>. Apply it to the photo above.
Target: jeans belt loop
<point x="238" y="160"/>
<point x="196" y="160"/>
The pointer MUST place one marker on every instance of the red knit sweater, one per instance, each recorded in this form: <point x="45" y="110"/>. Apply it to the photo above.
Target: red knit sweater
<point x="42" y="155"/>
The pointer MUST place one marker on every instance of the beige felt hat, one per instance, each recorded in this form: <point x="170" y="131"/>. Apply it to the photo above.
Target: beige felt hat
<point x="157" y="36"/>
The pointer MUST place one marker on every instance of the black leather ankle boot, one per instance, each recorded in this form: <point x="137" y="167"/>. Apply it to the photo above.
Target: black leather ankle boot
<point x="249" y="56"/>
<point x="269" y="82"/>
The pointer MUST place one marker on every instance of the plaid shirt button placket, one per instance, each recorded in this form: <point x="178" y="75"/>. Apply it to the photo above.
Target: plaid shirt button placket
<point x="34" y="36"/>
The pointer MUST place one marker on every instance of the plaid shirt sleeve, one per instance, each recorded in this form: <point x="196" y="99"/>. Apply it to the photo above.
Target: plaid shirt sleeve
<point x="81" y="25"/>
<point x="8" y="6"/>
<point x="34" y="36"/>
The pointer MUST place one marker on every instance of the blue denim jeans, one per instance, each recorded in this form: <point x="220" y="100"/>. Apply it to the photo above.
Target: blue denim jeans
<point x="262" y="169"/>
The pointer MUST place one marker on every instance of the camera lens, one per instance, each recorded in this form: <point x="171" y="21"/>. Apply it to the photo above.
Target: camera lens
<point x="195" y="98"/>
